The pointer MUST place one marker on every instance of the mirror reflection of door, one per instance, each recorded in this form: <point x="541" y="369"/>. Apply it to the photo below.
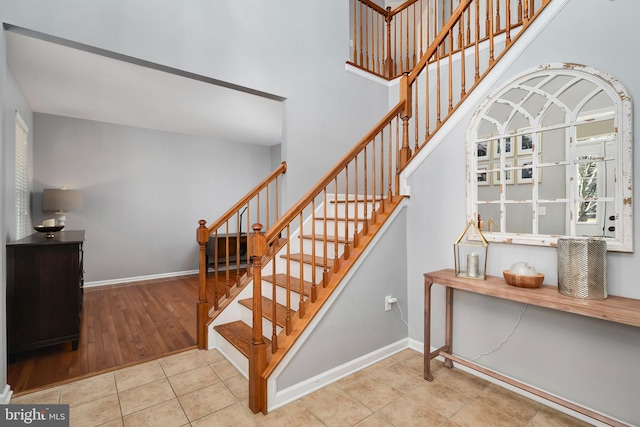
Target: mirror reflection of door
<point x="594" y="178"/>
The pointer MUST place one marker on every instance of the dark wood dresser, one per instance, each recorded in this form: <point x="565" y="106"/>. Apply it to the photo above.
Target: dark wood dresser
<point x="44" y="291"/>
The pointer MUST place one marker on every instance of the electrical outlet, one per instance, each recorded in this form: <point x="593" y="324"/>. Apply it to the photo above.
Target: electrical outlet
<point x="542" y="210"/>
<point x="388" y="301"/>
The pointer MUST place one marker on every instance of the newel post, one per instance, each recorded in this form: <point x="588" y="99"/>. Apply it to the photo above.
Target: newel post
<point x="405" y="94"/>
<point x="257" y="347"/>
<point x="202" y="308"/>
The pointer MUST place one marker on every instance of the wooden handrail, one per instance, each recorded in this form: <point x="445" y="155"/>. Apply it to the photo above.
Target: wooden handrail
<point x="282" y="169"/>
<point x="402" y="7"/>
<point x="287" y="217"/>
<point x="437" y="42"/>
<point x="372" y="5"/>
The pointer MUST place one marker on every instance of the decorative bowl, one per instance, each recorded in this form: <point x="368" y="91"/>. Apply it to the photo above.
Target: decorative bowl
<point x="523" y="281"/>
<point x="48" y="230"/>
<point x="523" y="268"/>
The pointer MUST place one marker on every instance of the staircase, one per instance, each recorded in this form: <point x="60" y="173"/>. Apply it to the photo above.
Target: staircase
<point x="300" y="258"/>
<point x="309" y="257"/>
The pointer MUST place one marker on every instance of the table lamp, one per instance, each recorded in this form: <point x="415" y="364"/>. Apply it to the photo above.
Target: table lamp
<point x="61" y="201"/>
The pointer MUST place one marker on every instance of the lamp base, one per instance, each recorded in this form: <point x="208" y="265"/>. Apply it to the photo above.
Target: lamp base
<point x="61" y="218"/>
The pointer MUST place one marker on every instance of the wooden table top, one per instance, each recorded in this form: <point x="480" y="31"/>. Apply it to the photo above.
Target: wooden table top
<point x="615" y="309"/>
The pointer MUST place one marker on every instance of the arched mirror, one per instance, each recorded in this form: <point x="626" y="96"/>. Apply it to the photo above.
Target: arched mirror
<point x="549" y="155"/>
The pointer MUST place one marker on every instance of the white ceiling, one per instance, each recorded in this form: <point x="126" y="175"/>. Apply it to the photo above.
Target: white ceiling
<point x="74" y="82"/>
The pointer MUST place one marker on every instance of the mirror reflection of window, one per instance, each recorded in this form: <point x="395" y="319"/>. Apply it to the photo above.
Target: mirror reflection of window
<point x="550" y="156"/>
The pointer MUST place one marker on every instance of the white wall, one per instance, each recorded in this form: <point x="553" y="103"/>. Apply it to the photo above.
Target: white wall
<point x="144" y="191"/>
<point x="592" y="362"/>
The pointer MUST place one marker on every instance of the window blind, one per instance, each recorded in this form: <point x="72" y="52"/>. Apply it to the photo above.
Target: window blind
<point x="21" y="179"/>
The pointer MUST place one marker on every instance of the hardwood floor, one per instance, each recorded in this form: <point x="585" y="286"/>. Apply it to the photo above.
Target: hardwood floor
<point x="121" y="325"/>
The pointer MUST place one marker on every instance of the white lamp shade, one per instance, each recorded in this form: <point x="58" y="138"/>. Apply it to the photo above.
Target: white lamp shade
<point x="61" y="200"/>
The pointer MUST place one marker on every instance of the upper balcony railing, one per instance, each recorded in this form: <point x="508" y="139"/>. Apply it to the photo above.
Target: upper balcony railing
<point x="477" y="34"/>
<point x="389" y="42"/>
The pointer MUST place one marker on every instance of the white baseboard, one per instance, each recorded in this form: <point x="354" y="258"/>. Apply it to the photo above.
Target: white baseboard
<point x="138" y="278"/>
<point x="5" y="396"/>
<point x="290" y="394"/>
<point x="416" y="345"/>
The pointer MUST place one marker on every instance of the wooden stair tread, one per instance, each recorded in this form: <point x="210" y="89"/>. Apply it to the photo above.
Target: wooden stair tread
<point x="267" y="310"/>
<point x="239" y="334"/>
<point x="294" y="282"/>
<point x="308" y="259"/>
<point x="321" y="237"/>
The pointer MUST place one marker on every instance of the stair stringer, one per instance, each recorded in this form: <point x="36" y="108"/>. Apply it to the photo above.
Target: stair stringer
<point x="481" y="91"/>
<point x="319" y="357"/>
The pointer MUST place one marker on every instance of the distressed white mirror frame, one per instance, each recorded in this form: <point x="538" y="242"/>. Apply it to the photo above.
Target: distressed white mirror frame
<point x="532" y="83"/>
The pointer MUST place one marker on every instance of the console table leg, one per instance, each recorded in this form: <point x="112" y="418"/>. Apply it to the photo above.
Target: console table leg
<point x="448" y="338"/>
<point x="427" y="329"/>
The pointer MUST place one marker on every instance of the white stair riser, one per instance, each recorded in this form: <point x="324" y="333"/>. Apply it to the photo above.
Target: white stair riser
<point x="330" y="224"/>
<point x="246" y="316"/>
<point x="281" y="295"/>
<point x="308" y="244"/>
<point x="295" y="269"/>
<point x="231" y="354"/>
<point x="307" y="271"/>
<point x="351" y="208"/>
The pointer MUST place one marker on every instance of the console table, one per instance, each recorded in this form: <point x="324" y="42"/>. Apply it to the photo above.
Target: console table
<point x="614" y="309"/>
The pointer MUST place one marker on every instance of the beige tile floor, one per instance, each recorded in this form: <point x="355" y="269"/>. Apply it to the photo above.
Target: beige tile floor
<point x="200" y="388"/>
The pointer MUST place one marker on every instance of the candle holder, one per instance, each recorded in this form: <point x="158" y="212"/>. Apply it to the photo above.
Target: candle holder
<point x="470" y="253"/>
